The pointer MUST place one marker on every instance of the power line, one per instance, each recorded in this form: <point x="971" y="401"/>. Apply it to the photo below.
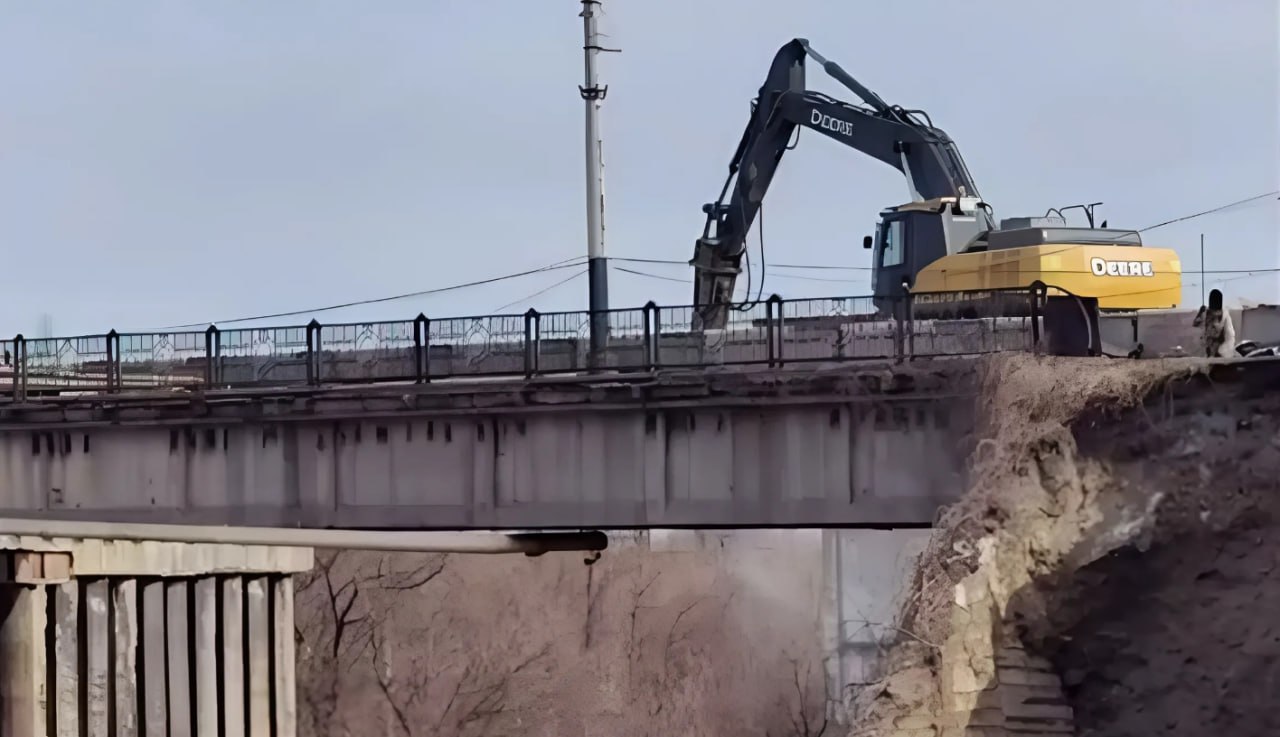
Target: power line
<point x="674" y="262"/>
<point x="539" y="293"/>
<point x="686" y="281"/>
<point x="651" y="276"/>
<point x="1210" y="211"/>
<point x="823" y="267"/>
<point x="566" y="264"/>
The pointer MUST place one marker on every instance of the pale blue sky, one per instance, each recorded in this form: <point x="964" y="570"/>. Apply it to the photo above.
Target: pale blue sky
<point x="172" y="162"/>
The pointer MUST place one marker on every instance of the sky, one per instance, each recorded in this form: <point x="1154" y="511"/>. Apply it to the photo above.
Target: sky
<point x="171" y="162"/>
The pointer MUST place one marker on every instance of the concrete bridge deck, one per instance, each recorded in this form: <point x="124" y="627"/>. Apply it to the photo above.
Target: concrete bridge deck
<point x="850" y="445"/>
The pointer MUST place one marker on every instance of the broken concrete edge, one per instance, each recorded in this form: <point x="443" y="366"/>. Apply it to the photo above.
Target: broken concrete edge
<point x="27" y="559"/>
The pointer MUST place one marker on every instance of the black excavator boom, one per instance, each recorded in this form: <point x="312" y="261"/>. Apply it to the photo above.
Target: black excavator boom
<point x="903" y="139"/>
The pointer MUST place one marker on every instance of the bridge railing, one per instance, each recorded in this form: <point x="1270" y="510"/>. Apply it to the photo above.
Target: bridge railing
<point x="772" y="332"/>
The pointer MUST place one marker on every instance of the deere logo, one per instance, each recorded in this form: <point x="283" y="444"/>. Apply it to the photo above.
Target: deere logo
<point x="1104" y="267"/>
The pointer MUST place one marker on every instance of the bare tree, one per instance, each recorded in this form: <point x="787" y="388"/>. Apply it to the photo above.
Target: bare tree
<point x="331" y="630"/>
<point x="439" y="688"/>
<point x="336" y="621"/>
<point x="409" y="645"/>
<point x="803" y="707"/>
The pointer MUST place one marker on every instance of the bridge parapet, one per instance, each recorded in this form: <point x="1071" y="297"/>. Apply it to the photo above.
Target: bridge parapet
<point x="768" y="334"/>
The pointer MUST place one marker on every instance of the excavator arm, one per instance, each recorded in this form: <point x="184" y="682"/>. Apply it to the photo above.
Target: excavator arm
<point x="903" y="139"/>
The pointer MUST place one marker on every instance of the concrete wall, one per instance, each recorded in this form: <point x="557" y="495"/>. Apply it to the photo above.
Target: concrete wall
<point x="744" y="450"/>
<point x="1168" y="333"/>
<point x="146" y="639"/>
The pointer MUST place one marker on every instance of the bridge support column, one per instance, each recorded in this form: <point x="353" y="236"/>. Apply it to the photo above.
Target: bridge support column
<point x="138" y="639"/>
<point x="22" y="660"/>
<point x="867" y="576"/>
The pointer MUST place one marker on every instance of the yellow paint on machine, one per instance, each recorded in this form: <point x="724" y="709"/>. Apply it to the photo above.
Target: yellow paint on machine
<point x="1121" y="277"/>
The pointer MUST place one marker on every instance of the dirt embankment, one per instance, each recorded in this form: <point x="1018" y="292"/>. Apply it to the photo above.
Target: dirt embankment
<point x="1113" y="570"/>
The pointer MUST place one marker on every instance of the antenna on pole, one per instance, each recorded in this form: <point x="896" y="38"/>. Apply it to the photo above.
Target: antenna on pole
<point x="593" y="95"/>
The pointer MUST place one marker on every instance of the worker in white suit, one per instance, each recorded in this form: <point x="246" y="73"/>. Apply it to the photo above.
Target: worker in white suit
<point x="1218" y="335"/>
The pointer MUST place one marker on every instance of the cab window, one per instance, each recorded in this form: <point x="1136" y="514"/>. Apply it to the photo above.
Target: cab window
<point x="891" y="251"/>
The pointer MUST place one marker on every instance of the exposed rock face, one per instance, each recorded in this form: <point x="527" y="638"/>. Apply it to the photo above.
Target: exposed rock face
<point x="1112" y="570"/>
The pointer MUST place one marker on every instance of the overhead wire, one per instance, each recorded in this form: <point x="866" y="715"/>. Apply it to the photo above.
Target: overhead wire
<point x="539" y="293"/>
<point x="637" y="272"/>
<point x="564" y="264"/>
<point x="651" y="275"/>
<point x="1211" y="211"/>
<point x="676" y="262"/>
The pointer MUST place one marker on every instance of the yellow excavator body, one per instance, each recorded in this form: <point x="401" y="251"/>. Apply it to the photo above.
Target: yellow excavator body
<point x="1119" y="277"/>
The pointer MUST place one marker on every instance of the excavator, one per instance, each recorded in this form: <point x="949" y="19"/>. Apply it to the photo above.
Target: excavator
<point x="944" y="246"/>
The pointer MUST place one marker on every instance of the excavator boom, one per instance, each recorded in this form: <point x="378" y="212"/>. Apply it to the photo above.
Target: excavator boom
<point x="903" y="139"/>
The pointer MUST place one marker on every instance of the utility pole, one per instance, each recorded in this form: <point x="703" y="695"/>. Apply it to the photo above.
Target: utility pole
<point x="597" y="265"/>
<point x="1202" y="287"/>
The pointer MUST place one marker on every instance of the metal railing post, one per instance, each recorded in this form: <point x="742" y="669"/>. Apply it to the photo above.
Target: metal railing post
<point x="421" y="335"/>
<point x="909" y="308"/>
<point x="1037" y="292"/>
<point x="899" y="327"/>
<point x="657" y="336"/>
<point x="113" y="361"/>
<point x="313" y="352"/>
<point x="532" y="340"/>
<point x="19" y="368"/>
<point x="773" y="324"/>
<point x="650" y="343"/>
<point x="211" y="346"/>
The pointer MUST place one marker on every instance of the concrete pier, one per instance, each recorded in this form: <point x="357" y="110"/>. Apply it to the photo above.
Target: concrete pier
<point x="129" y="639"/>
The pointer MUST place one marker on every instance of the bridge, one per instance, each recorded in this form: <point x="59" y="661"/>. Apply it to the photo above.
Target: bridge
<point x="800" y="413"/>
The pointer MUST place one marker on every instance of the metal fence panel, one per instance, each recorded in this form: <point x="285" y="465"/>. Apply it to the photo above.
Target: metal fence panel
<point x="162" y="359"/>
<point x="773" y="332"/>
<point x="78" y="363"/>
<point x="472" y="346"/>
<point x="249" y="356"/>
<point x="367" y="351"/>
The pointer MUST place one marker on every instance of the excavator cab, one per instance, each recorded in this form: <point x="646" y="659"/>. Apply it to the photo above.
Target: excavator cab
<point x="912" y="236"/>
<point x="903" y="244"/>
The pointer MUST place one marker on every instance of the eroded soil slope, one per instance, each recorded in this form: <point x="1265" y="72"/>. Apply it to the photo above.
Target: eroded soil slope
<point x="1179" y="633"/>
<point x="1122" y="531"/>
